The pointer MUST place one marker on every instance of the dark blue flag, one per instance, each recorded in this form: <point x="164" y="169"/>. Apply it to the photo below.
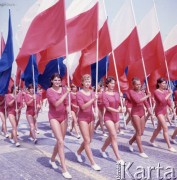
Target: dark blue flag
<point x="6" y="61"/>
<point x="102" y="68"/>
<point x="54" y="66"/>
<point x="27" y="76"/>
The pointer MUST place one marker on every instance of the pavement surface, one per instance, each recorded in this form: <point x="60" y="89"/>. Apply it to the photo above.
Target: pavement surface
<point x="31" y="162"/>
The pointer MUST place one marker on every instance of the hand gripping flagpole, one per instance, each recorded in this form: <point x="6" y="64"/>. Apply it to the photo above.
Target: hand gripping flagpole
<point x="144" y="68"/>
<point x="117" y="76"/>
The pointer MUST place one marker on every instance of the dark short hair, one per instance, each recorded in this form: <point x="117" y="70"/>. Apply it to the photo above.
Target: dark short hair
<point x="53" y="77"/>
<point x="109" y="79"/>
<point x="30" y="86"/>
<point x="159" y="81"/>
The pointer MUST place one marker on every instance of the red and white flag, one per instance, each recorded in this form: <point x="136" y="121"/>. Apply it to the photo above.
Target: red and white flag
<point x="81" y="27"/>
<point x="124" y="40"/>
<point x="43" y="26"/>
<point x="151" y="45"/>
<point x="170" y="47"/>
<point x="88" y="55"/>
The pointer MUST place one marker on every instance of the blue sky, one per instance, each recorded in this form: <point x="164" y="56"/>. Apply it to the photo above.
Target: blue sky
<point x="166" y="11"/>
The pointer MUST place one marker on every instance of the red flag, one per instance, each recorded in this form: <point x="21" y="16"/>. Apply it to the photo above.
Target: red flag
<point x="81" y="30"/>
<point x="46" y="29"/>
<point x="152" y="47"/>
<point x="124" y="40"/>
<point x="170" y="46"/>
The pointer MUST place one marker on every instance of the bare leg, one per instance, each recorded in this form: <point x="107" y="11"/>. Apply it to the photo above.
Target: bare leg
<point x="59" y="131"/>
<point x="87" y="133"/>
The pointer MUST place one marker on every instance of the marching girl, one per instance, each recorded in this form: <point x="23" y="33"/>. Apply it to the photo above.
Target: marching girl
<point x="31" y="112"/>
<point x="161" y="96"/>
<point x="175" y="131"/>
<point x="86" y="100"/>
<point x="74" y="111"/>
<point x="128" y="107"/>
<point x="138" y="99"/>
<point x="2" y="116"/>
<point x="111" y="101"/>
<point x="14" y="112"/>
<point x="100" y="111"/>
<point x="58" y="106"/>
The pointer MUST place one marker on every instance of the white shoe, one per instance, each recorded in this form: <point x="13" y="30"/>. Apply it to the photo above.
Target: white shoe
<point x="2" y="133"/>
<point x="96" y="167"/>
<point x="79" y="159"/>
<point x="173" y="141"/>
<point x="130" y="148"/>
<point x="30" y="138"/>
<point x="12" y="141"/>
<point x="105" y="135"/>
<point x="172" y="149"/>
<point x="153" y="144"/>
<point x="103" y="153"/>
<point x="66" y="175"/>
<point x="17" y="144"/>
<point x="7" y="135"/>
<point x="144" y="155"/>
<point x="78" y="136"/>
<point x="120" y="161"/>
<point x="121" y="132"/>
<point x="37" y="132"/>
<point x="53" y="164"/>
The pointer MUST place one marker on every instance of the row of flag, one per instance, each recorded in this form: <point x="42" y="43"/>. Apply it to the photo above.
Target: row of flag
<point x="74" y="40"/>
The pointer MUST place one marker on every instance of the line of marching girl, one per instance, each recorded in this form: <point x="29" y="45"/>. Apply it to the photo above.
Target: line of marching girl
<point x="84" y="112"/>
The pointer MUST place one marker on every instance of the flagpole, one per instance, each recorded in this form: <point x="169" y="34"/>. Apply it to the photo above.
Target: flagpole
<point x="67" y="64"/>
<point x="117" y="76"/>
<point x="58" y="66"/>
<point x="97" y="51"/>
<point x="166" y="65"/>
<point x="144" y="68"/>
<point x="34" y="86"/>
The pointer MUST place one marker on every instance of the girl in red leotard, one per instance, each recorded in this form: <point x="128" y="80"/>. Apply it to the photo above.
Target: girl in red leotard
<point x="13" y="112"/>
<point x="100" y="111"/>
<point x="58" y="108"/>
<point x="86" y="100"/>
<point x="2" y="116"/>
<point x="138" y="99"/>
<point x="161" y="96"/>
<point x="31" y="112"/>
<point x="74" y="111"/>
<point x="111" y="101"/>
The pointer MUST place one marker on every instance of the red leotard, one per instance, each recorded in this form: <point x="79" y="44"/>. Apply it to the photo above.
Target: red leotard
<point x="137" y="106"/>
<point x="59" y="113"/>
<point x="128" y="100"/>
<point x="73" y="101"/>
<point x="161" y="102"/>
<point x="87" y="113"/>
<point x="30" y="110"/>
<point x="175" y="100"/>
<point x="112" y="101"/>
<point x="2" y="99"/>
<point x="100" y="101"/>
<point x="11" y="108"/>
